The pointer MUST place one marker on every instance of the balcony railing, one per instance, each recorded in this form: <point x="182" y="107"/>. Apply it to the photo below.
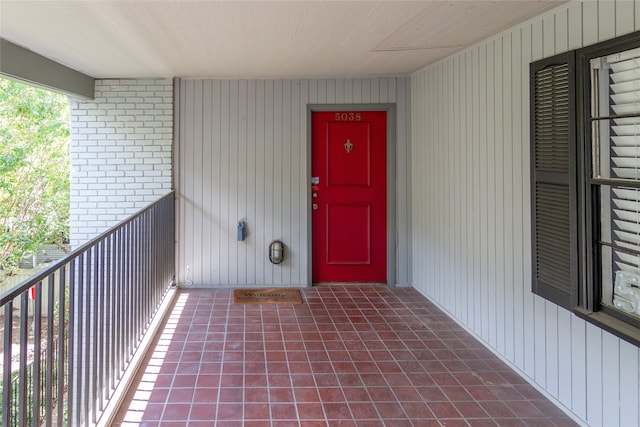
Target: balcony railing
<point x="69" y="332"/>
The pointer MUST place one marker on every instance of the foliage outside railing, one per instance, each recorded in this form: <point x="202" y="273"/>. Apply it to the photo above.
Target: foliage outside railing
<point x="15" y="378"/>
<point x="98" y="302"/>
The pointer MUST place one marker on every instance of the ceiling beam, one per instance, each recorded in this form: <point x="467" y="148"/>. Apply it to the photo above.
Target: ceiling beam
<point x="18" y="63"/>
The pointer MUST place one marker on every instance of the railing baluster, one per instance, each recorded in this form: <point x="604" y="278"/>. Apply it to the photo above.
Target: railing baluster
<point x="24" y="378"/>
<point x="88" y="339"/>
<point x="99" y="350"/>
<point x="37" y="337"/>
<point x="48" y="389"/>
<point x="75" y="313"/>
<point x="6" y="374"/>
<point x="62" y="377"/>
<point x="96" y="285"/>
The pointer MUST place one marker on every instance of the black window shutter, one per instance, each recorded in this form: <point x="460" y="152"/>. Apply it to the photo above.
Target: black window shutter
<point x="553" y="179"/>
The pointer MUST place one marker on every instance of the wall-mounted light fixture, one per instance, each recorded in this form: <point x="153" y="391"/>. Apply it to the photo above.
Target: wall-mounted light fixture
<point x="276" y="252"/>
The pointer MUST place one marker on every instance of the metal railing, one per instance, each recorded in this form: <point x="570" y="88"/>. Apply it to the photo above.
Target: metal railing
<point x="91" y="309"/>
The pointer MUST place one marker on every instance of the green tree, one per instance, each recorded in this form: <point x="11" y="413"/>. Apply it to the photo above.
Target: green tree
<point x="34" y="170"/>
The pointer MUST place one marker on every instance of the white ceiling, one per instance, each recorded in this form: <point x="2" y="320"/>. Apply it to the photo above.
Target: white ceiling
<point x="251" y="39"/>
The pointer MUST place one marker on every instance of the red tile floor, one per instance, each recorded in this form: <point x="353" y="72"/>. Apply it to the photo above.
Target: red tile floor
<point x="348" y="356"/>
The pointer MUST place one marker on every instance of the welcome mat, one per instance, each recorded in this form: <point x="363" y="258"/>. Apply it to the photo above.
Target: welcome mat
<point x="267" y="296"/>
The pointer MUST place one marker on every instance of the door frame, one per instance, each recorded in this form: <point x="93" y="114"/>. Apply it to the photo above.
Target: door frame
<point x="391" y="180"/>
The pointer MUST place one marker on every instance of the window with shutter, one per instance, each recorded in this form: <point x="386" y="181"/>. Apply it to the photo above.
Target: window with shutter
<point x="615" y="180"/>
<point x="585" y="183"/>
<point x="553" y="179"/>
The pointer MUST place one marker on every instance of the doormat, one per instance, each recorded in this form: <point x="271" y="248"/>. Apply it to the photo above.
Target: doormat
<point x="267" y="296"/>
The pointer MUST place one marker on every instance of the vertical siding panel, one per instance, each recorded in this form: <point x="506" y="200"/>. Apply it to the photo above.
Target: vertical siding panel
<point x="551" y="348"/>
<point x="578" y="401"/>
<point x="207" y="178"/>
<point x="562" y="32"/>
<point x="285" y="179"/>
<point x="217" y="124"/>
<point x="403" y="201"/>
<point x="519" y="281"/>
<point x="529" y="323"/>
<point x="447" y="189"/>
<point x="196" y="171"/>
<point x="432" y="190"/>
<point x="347" y="91"/>
<point x="432" y="176"/>
<point x="458" y="173"/>
<point x="500" y="206"/>
<point x="178" y="180"/>
<point x="589" y="22"/>
<point x="594" y="375"/>
<point x="606" y="20"/>
<point x="489" y="316"/>
<point x="443" y="178"/>
<point x="549" y="36"/>
<point x="508" y="187"/>
<point x="357" y="90"/>
<point x="477" y="163"/>
<point x="383" y="90"/>
<point x="366" y="90"/>
<point x="610" y="379"/>
<point x="564" y="356"/>
<point x="624" y="19"/>
<point x="629" y="373"/>
<point x="470" y="175"/>
<point x="270" y="173"/>
<point x="481" y="313"/>
<point x="374" y="90"/>
<point x="339" y="88"/>
<point x="330" y="91"/>
<point x="187" y="179"/>
<point x="243" y="179"/>
<point x="539" y="345"/>
<point x="322" y="92"/>
<point x="252" y="212"/>
<point x="298" y="177"/>
<point x="392" y="89"/>
<point x="232" y="216"/>
<point x="436" y="187"/>
<point x="305" y="276"/>
<point x="276" y="192"/>
<point x="225" y="177"/>
<point x="574" y="18"/>
<point x="261" y="179"/>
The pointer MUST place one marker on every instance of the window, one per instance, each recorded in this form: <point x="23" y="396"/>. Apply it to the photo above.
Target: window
<point x="612" y="144"/>
<point x="585" y="133"/>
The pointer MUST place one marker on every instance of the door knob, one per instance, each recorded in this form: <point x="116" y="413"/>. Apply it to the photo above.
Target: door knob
<point x="315" y="206"/>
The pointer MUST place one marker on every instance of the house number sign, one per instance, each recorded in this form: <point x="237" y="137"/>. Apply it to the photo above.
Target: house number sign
<point x="348" y="117"/>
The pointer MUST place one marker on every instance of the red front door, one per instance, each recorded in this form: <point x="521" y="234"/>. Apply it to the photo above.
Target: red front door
<point x="349" y="196"/>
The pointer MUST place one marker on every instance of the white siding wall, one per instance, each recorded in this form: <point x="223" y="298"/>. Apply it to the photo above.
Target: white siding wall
<point x="471" y="212"/>
<point x="121" y="146"/>
<point x="243" y="156"/>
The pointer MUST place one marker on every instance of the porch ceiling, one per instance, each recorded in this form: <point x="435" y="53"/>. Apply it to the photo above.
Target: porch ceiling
<point x="249" y="39"/>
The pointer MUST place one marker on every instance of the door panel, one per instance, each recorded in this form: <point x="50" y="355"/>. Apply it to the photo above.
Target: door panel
<point x="349" y="217"/>
<point x="348" y="220"/>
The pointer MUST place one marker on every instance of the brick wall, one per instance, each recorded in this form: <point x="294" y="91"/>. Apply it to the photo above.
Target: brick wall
<point x="120" y="152"/>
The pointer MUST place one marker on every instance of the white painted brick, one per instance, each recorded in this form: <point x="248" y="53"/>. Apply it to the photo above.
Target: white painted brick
<point x="121" y="152"/>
